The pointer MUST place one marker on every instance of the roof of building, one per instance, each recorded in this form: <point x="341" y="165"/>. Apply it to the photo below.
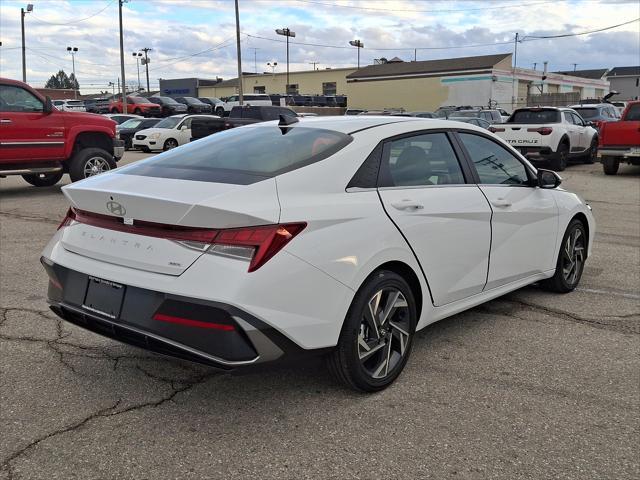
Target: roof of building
<point x="58" y="93"/>
<point x="596" y="73"/>
<point x="429" y="66"/>
<point x="618" y="71"/>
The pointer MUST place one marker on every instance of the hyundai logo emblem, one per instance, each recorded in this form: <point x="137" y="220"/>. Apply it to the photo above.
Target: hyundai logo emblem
<point x="116" y="208"/>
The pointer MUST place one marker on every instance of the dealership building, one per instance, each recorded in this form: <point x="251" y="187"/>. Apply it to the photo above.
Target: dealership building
<point x="422" y="85"/>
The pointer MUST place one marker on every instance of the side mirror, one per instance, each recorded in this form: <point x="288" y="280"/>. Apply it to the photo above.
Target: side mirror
<point x="183" y="127"/>
<point x="548" y="179"/>
<point x="48" y="105"/>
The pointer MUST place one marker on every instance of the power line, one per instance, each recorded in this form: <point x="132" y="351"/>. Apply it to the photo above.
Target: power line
<point x="448" y="10"/>
<point x="533" y="37"/>
<point x="78" y="20"/>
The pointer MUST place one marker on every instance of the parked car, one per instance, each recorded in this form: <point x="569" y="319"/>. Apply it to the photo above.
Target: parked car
<point x="480" y="122"/>
<point x="42" y="143"/>
<point x="620" y="141"/>
<point x="97" y="105"/>
<point x="620" y="106"/>
<point x="550" y="134"/>
<point x="168" y="133"/>
<point x="69" y="105"/>
<point x="255" y="244"/>
<point x="168" y="106"/>
<point x="204" y="126"/>
<point x="596" y="114"/>
<point x="504" y="114"/>
<point x="491" y="116"/>
<point x="128" y="129"/>
<point x="253" y="99"/>
<point x="194" y="105"/>
<point x="214" y="102"/>
<point x="423" y="114"/>
<point x="354" y="111"/>
<point x="120" y="118"/>
<point x="136" y="105"/>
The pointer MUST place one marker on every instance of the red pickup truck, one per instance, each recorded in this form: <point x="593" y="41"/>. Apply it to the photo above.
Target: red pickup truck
<point x="620" y="141"/>
<point x="42" y="144"/>
<point x="137" y="106"/>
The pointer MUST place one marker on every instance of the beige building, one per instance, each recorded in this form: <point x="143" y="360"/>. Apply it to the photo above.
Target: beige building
<point x="331" y="81"/>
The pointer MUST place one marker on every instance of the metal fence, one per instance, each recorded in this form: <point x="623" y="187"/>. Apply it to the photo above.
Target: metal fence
<point x="553" y="99"/>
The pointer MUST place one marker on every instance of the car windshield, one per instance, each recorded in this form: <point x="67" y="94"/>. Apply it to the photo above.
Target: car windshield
<point x="132" y="123"/>
<point x="244" y="155"/>
<point x="588" y="112"/>
<point x="139" y="100"/>
<point x="535" y="116"/>
<point x="169" y="122"/>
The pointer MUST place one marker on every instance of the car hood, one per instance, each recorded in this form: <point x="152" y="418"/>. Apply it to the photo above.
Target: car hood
<point x="85" y="118"/>
<point x="149" y="131"/>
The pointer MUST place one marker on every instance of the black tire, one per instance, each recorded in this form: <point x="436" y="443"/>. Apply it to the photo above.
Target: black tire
<point x="610" y="165"/>
<point x="592" y="154"/>
<point x="561" y="282"/>
<point x="559" y="160"/>
<point x="114" y="111"/>
<point x="220" y="111"/>
<point x="89" y="162"/>
<point x="145" y="149"/>
<point x="351" y="365"/>
<point x="169" y="144"/>
<point x="137" y="111"/>
<point x="43" y="179"/>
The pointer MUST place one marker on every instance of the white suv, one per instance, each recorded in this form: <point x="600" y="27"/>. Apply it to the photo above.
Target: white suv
<point x="553" y="134"/>
<point x="70" y="105"/>
<point x="254" y="99"/>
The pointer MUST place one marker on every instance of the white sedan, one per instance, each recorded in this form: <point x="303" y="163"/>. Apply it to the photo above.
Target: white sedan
<point x="168" y="133"/>
<point x="341" y="236"/>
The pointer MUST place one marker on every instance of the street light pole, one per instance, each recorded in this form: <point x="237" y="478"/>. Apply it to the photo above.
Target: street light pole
<point x="73" y="51"/>
<point x="286" y="32"/>
<point x="124" y="88"/>
<point x="146" y="64"/>
<point x="240" y="93"/>
<point x="358" y="44"/>
<point x="137" y="57"/>
<point x="23" y="12"/>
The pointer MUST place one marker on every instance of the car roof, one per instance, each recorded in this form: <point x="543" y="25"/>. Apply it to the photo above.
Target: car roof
<point x="592" y="105"/>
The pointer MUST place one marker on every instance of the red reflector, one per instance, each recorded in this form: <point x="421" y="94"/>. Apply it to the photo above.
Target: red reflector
<point x="69" y="217"/>
<point x="161" y="317"/>
<point x="541" y="130"/>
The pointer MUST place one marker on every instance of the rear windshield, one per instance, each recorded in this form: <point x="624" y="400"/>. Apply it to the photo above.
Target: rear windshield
<point x="587" y="112"/>
<point x="244" y="155"/>
<point x="535" y="116"/>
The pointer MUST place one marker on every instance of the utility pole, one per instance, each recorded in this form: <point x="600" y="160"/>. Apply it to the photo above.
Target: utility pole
<point x="146" y="64"/>
<point x="286" y="32"/>
<point x="314" y="64"/>
<point x="124" y="88"/>
<point x="513" y="74"/>
<point x="535" y="64"/>
<point x="24" y="48"/>
<point x="240" y="93"/>
<point x="575" y="65"/>
<point x="415" y="54"/>
<point x="255" y="59"/>
<point x="359" y="45"/>
<point x="73" y="51"/>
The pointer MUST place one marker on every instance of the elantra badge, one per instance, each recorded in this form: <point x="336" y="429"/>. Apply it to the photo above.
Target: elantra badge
<point x="116" y="208"/>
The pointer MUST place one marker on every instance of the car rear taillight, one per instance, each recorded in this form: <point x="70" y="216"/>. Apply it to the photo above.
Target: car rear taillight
<point x="69" y="217"/>
<point x="255" y="244"/>
<point x="541" y="130"/>
<point x="495" y="129"/>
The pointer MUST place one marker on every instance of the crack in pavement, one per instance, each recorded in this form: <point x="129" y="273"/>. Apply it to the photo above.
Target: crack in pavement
<point x="32" y="218"/>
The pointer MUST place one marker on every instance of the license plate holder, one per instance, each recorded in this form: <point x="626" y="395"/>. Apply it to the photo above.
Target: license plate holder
<point x="104" y="297"/>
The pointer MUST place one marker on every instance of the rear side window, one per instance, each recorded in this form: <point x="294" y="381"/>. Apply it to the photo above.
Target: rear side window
<point x="495" y="164"/>
<point x="244" y="155"/>
<point x="535" y="116"/>
<point x="421" y="160"/>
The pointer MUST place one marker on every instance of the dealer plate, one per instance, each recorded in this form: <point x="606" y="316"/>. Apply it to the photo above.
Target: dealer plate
<point x="104" y="297"/>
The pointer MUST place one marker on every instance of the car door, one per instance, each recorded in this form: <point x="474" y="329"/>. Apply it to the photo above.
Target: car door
<point x="183" y="131"/>
<point x="524" y="223"/>
<point x="572" y="130"/>
<point x="445" y="219"/>
<point x="582" y="130"/>
<point x="26" y="131"/>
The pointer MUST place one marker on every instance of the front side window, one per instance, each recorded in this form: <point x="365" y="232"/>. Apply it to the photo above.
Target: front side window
<point x="421" y="160"/>
<point x="17" y="99"/>
<point x="577" y="120"/>
<point x="567" y="117"/>
<point x="186" y="123"/>
<point x="494" y="163"/>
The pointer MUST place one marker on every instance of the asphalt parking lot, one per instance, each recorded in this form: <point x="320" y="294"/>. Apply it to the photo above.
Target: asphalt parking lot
<point x="532" y="385"/>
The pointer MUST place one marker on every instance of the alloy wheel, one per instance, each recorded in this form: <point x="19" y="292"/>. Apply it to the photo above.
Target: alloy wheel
<point x="573" y="257"/>
<point x="169" y="144"/>
<point x="95" y="166"/>
<point x="384" y="332"/>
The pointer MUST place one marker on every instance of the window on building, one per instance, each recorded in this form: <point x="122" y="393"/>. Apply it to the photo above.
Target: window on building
<point x="292" y="88"/>
<point x="260" y="89"/>
<point x="329" y="88"/>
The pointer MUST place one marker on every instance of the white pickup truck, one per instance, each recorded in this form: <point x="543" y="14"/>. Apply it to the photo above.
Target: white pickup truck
<point x="552" y="134"/>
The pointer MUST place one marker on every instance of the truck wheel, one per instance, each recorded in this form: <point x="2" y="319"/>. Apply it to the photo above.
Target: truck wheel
<point x="610" y="165"/>
<point x="89" y="162"/>
<point x="43" y="179"/>
<point x="592" y="154"/>
<point x="559" y="161"/>
<point x="220" y="111"/>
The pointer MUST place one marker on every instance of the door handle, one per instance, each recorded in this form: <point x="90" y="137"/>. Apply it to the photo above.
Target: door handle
<point x="5" y="120"/>
<point x="501" y="203"/>
<point x="407" y="205"/>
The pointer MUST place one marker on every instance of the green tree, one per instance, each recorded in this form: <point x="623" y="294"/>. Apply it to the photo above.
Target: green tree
<point x="62" y="80"/>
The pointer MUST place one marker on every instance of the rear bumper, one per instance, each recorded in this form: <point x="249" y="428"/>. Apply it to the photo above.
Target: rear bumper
<point x="6" y="170"/>
<point x="247" y="341"/>
<point x="631" y="153"/>
<point x="536" y="153"/>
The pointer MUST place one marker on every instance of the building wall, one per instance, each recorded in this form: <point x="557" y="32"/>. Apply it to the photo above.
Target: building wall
<point x="179" y="87"/>
<point x="628" y="87"/>
<point x="412" y="94"/>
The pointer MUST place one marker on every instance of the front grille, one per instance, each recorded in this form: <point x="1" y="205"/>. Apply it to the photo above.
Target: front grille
<point x="140" y="137"/>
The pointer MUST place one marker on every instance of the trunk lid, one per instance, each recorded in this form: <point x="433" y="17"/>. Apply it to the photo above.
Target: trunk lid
<point x="519" y="135"/>
<point x="163" y="201"/>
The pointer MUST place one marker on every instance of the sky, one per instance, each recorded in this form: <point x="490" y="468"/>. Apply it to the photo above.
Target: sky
<point x="196" y="38"/>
